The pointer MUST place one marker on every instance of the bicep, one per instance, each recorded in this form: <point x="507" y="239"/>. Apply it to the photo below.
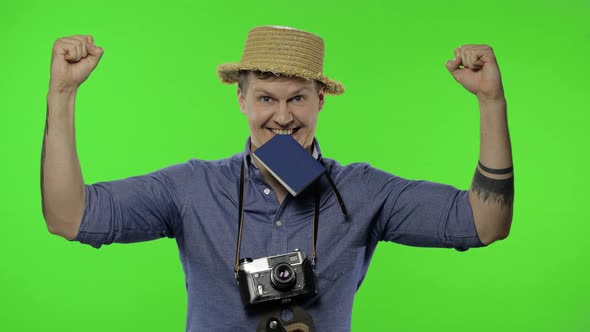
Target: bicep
<point x="130" y="210"/>
<point x="426" y="214"/>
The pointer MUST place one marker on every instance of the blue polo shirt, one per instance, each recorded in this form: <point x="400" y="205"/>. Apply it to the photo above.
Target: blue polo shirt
<point x="196" y="203"/>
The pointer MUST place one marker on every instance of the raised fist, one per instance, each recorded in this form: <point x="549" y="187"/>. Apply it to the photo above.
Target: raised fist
<point x="72" y="60"/>
<point x="476" y="69"/>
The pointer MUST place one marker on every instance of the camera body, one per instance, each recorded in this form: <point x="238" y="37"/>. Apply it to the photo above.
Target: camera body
<point x="277" y="277"/>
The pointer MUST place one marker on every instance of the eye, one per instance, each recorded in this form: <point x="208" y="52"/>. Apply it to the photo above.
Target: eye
<point x="265" y="99"/>
<point x="297" y="98"/>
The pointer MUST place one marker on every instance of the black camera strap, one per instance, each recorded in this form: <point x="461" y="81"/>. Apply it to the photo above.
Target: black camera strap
<point x="316" y="214"/>
<point x="240" y="216"/>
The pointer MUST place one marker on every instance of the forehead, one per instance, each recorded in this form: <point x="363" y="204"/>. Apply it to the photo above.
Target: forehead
<point x="278" y="82"/>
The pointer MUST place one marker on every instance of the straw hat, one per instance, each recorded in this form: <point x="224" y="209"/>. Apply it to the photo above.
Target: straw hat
<point x="282" y="50"/>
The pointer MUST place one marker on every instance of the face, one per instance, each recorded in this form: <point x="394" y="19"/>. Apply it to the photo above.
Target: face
<point x="281" y="106"/>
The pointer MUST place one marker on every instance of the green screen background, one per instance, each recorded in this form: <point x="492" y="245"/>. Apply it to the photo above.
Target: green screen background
<point x="155" y="100"/>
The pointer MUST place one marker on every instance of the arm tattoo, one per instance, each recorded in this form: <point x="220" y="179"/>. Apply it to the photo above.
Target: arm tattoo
<point x="495" y="170"/>
<point x="500" y="191"/>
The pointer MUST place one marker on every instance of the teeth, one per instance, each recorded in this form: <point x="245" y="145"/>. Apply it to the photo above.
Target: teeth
<point x="282" y="131"/>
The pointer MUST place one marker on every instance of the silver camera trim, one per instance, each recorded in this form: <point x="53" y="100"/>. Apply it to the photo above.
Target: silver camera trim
<point x="262" y="264"/>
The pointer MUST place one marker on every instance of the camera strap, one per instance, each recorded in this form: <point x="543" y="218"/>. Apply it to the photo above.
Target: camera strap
<point x="316" y="213"/>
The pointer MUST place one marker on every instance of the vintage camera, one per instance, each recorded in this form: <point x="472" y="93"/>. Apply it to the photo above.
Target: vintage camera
<point x="280" y="277"/>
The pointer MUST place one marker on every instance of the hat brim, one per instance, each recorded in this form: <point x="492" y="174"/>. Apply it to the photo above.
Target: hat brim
<point x="229" y="73"/>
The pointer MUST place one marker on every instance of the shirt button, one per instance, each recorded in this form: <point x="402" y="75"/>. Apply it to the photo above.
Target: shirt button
<point x="278" y="223"/>
<point x="266" y="191"/>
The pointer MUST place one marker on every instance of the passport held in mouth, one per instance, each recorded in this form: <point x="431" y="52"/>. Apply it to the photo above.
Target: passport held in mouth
<point x="293" y="166"/>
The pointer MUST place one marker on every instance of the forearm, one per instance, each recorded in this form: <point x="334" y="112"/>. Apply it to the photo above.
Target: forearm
<point x="491" y="195"/>
<point x="494" y="148"/>
<point x="62" y="185"/>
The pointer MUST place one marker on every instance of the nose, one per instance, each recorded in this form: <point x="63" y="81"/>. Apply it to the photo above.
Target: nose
<point x="283" y="116"/>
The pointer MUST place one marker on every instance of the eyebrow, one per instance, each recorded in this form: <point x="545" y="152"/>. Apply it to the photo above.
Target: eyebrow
<point x="300" y="90"/>
<point x="262" y="91"/>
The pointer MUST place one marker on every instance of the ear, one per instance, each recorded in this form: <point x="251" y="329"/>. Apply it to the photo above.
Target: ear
<point x="242" y="101"/>
<point x="322" y="98"/>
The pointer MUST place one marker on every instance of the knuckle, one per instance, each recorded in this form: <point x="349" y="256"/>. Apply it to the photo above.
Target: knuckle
<point x="75" y="40"/>
<point x="59" y="41"/>
<point x="60" y="44"/>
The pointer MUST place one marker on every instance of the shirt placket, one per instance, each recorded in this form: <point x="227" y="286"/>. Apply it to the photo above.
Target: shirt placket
<point x="278" y="243"/>
<point x="279" y="229"/>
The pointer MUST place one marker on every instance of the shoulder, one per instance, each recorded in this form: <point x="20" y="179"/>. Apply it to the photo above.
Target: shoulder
<point x="354" y="171"/>
<point x="364" y="179"/>
<point x="227" y="168"/>
<point x="336" y="169"/>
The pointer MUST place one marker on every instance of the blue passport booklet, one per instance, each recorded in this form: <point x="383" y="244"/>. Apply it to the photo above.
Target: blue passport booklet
<point x="289" y="163"/>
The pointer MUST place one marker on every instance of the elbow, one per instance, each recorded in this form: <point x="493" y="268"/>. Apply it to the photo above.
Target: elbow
<point x="496" y="234"/>
<point x="500" y="236"/>
<point x="65" y="233"/>
<point x="63" y="219"/>
<point x="67" y="230"/>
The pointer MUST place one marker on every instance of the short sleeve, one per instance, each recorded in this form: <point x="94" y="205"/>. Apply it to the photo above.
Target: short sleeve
<point x="423" y="213"/>
<point x="136" y="209"/>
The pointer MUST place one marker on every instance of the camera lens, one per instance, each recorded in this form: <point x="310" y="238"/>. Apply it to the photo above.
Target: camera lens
<point x="282" y="276"/>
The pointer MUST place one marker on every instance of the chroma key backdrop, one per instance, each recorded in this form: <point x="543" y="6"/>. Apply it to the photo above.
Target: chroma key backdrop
<point x="155" y="100"/>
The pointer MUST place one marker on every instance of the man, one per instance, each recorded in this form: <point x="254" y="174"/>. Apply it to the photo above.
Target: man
<point x="281" y="90"/>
